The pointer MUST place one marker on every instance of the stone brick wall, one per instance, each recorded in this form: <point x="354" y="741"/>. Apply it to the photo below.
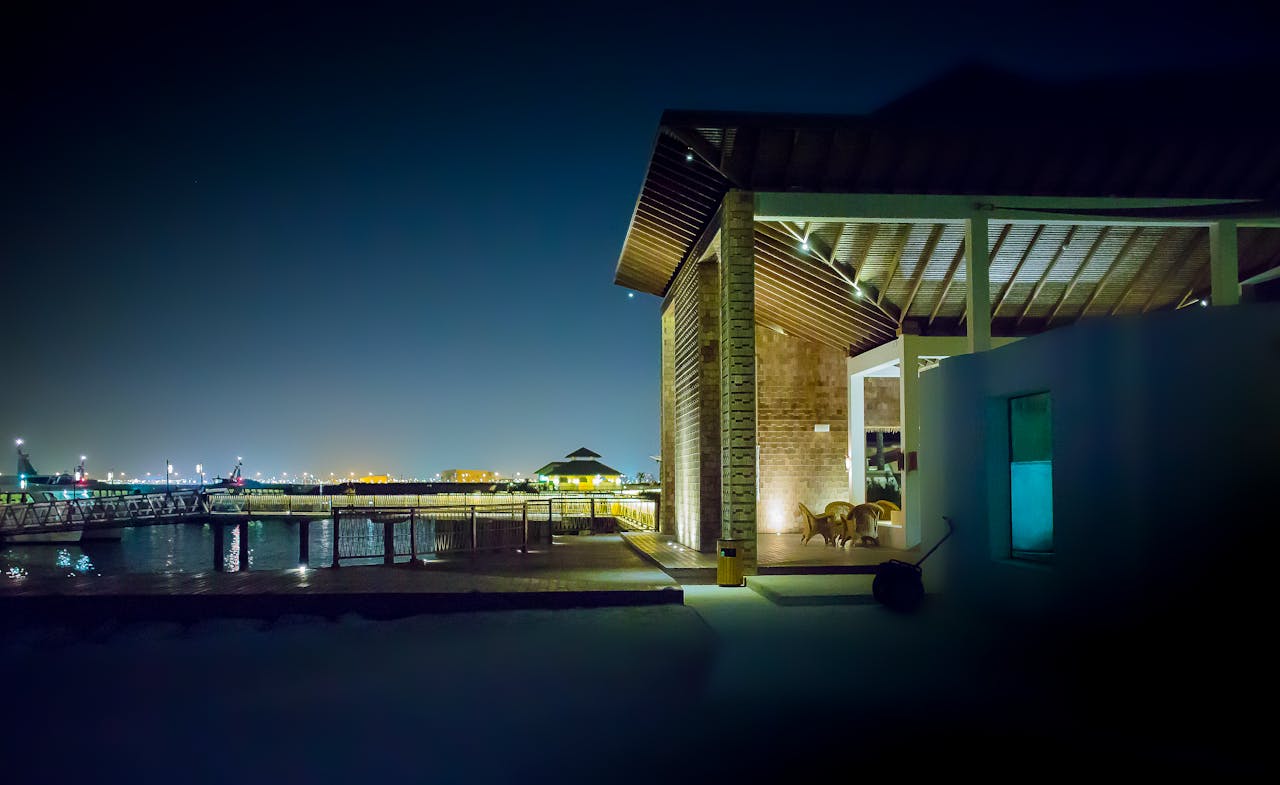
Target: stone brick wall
<point x="695" y="406"/>
<point x="738" y="373"/>
<point x="883" y="412"/>
<point x="799" y="385"/>
<point x="667" y="432"/>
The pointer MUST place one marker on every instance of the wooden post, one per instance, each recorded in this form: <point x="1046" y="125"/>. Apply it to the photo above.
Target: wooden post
<point x="977" y="260"/>
<point x="524" y="521"/>
<point x="593" y="514"/>
<point x="243" y="528"/>
<point x="337" y="518"/>
<point x="219" y="546"/>
<point x="388" y="542"/>
<point x="1224" y="264"/>
<point x="657" y="515"/>
<point x="304" y="542"/>
<point x="475" y="530"/>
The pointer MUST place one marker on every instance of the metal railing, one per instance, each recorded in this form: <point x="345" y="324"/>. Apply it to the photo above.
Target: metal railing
<point x="561" y="514"/>
<point x="101" y="512"/>
<point x="408" y="532"/>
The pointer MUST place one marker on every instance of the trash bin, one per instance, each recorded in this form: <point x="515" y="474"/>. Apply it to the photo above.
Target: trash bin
<point x="729" y="563"/>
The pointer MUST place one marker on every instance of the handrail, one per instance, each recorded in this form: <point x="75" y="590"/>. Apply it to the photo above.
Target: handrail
<point x="150" y="508"/>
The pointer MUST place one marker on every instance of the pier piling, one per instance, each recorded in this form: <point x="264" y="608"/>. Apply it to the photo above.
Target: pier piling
<point x="304" y="542"/>
<point x="219" y="546"/>
<point x="336" y="525"/>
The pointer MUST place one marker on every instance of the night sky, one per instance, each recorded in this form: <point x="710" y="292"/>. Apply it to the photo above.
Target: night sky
<point x="382" y="239"/>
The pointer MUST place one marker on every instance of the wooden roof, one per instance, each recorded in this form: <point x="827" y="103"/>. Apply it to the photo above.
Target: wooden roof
<point x="913" y="272"/>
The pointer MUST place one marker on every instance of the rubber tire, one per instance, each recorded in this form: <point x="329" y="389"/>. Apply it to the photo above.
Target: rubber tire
<point x="898" y="588"/>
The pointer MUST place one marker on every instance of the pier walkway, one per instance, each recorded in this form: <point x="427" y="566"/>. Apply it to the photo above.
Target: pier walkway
<point x="574" y="571"/>
<point x="192" y="505"/>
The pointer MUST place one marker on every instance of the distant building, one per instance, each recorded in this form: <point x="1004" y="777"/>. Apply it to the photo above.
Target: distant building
<point x="376" y="478"/>
<point x="580" y="472"/>
<point x="468" y="475"/>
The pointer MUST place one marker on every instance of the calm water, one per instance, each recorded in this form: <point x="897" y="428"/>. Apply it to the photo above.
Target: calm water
<point x="179" y="547"/>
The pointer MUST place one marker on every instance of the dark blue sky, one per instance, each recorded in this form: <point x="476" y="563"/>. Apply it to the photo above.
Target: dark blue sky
<point x="383" y="239"/>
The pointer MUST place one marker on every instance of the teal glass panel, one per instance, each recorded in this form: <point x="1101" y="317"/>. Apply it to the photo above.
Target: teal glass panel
<point x="1031" y="476"/>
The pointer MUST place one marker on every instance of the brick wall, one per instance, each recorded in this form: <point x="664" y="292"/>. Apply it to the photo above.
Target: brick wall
<point x="799" y="385"/>
<point x="738" y="373"/>
<point x="667" y="433"/>
<point x="695" y="406"/>
<point x="882" y="409"/>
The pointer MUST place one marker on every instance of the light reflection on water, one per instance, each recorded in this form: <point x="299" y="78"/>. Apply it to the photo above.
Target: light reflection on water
<point x="178" y="547"/>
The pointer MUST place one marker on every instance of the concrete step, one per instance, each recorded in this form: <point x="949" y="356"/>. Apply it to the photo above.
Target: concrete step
<point x="842" y="589"/>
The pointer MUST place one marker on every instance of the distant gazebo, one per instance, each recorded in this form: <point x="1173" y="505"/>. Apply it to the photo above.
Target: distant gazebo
<point x="580" y="471"/>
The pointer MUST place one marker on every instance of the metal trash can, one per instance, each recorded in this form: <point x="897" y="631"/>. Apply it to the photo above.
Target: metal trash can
<point x="729" y="562"/>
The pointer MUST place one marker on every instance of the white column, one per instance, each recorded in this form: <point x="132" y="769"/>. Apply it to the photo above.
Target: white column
<point x="857" y="439"/>
<point x="909" y="404"/>
<point x="1224" y="264"/>
<point x="977" y="289"/>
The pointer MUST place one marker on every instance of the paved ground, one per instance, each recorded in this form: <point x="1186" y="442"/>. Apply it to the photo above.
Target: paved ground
<point x="777" y="554"/>
<point x="731" y="686"/>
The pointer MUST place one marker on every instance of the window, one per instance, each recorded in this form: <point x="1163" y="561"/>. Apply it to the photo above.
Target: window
<point x="1031" y="477"/>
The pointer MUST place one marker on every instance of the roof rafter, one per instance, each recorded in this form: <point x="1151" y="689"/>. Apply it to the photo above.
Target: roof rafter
<point x="1044" y="277"/>
<point x="955" y="264"/>
<point x="917" y="276"/>
<point x="1026" y="254"/>
<point x="900" y="245"/>
<point x="1071" y="284"/>
<point x="1189" y="248"/>
<point x="1121" y="255"/>
<point x="1142" y="268"/>
<point x="700" y="147"/>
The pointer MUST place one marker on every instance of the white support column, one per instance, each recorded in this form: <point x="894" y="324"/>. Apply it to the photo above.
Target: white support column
<point x="909" y="404"/>
<point x="857" y="438"/>
<point x="1224" y="264"/>
<point x="977" y="290"/>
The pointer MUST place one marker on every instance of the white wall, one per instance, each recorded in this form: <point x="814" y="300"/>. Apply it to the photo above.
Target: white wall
<point x="1166" y="432"/>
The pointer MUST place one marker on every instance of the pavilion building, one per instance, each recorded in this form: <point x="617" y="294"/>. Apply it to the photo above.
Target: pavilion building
<point x="812" y="268"/>
<point x="580" y="471"/>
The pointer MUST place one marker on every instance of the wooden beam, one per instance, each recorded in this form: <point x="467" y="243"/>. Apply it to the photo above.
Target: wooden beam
<point x="866" y="252"/>
<point x="904" y="233"/>
<point x="1224" y="263"/>
<point x="1008" y="286"/>
<point x="1071" y="284"/>
<point x="1188" y="250"/>
<point x="934" y="208"/>
<point x="1198" y="284"/>
<point x="955" y="264"/>
<point x="926" y="256"/>
<point x="1026" y="309"/>
<point x="700" y="147"/>
<point x="1142" y="268"/>
<point x="1115" y="265"/>
<point x="778" y="256"/>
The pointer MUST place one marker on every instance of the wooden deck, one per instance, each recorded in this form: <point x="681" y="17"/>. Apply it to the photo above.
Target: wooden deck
<point x="778" y="554"/>
<point x="573" y="572"/>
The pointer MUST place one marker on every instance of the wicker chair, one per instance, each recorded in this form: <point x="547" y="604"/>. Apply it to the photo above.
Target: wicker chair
<point x="816" y="524"/>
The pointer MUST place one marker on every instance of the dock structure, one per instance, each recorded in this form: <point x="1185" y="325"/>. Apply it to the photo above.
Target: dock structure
<point x="369" y="527"/>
